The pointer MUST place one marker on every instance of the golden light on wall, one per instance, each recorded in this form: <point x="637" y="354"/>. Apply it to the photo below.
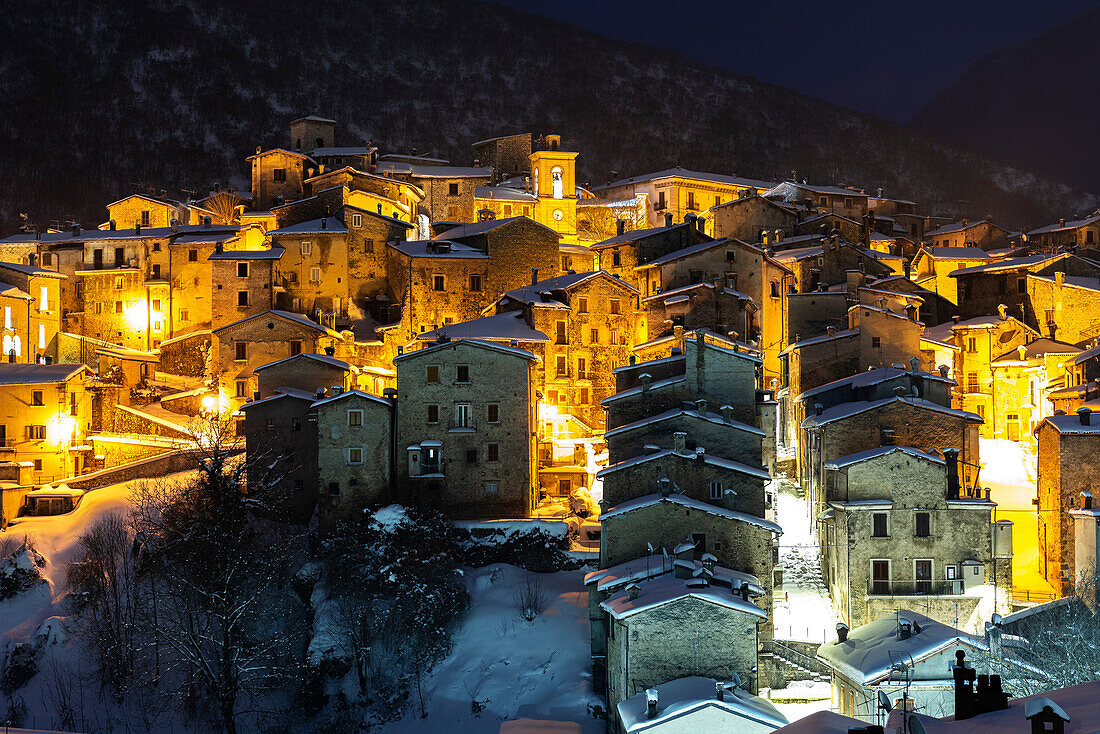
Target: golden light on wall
<point x="61" y="429"/>
<point x="137" y="315"/>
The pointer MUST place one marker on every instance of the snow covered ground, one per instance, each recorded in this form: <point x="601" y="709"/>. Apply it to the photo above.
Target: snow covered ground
<point x="802" y="608"/>
<point x="512" y="668"/>
<point x="1008" y="470"/>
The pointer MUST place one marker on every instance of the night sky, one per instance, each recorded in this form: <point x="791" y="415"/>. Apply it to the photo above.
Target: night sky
<point x="888" y="59"/>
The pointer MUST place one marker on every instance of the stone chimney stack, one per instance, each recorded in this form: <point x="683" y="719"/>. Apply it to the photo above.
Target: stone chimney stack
<point x="679" y="442"/>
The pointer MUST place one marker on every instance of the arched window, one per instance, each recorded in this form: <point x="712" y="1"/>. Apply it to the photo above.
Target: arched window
<point x="556" y="175"/>
<point x="536" y="182"/>
<point x="298" y="144"/>
<point x="320" y="142"/>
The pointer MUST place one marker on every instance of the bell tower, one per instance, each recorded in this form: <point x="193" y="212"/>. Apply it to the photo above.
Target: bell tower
<point x="553" y="175"/>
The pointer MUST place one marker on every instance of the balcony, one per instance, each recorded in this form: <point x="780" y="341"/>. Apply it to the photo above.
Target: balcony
<point x="931" y="587"/>
<point x="461" y="425"/>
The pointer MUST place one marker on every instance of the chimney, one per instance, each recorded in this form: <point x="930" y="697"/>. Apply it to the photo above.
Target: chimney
<point x="964" y="691"/>
<point x="1086" y="500"/>
<point x="701" y="405"/>
<point x="841" y="632"/>
<point x="720" y="690"/>
<point x="1085" y="414"/>
<point x="620" y="227"/>
<point x="651" y="703"/>
<point x="914" y="363"/>
<point x="727" y="414"/>
<point x="324" y="223"/>
<point x="679" y="442"/>
<point x="111" y="225"/>
<point x="534" y="275"/>
<point x="632" y="591"/>
<point x="944" y="369"/>
<point x="668" y="219"/>
<point x="645" y="378"/>
<point x="900" y="391"/>
<point x="905" y="629"/>
<point x="76" y="230"/>
<point x="1062" y="222"/>
<point x="818" y="408"/>
<point x="678" y="331"/>
<point x="664" y="482"/>
<point x="1060" y="278"/>
<point x="632" y="359"/>
<point x="137" y="227"/>
<point x="951" y="459"/>
<point x="1002" y="311"/>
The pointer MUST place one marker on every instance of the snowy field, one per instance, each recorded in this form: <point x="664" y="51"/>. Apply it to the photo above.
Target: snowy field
<point x="512" y="668"/>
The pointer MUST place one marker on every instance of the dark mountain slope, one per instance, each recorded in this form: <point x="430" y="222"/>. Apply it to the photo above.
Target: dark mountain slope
<point x="175" y="94"/>
<point x="1035" y="104"/>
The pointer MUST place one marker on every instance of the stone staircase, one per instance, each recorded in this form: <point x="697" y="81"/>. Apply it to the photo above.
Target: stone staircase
<point x="780" y="663"/>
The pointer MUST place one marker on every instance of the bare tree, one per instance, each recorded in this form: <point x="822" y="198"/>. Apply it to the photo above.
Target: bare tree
<point x="531" y="597"/>
<point x="226" y="622"/>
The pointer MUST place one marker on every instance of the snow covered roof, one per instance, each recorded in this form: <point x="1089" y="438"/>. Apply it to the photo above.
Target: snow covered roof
<point x="12" y="373"/>
<point x="532" y="293"/>
<point x="685" y="252"/>
<point x="324" y="225"/>
<point x="823" y="722"/>
<point x="842" y="334"/>
<point x="203" y="239"/>
<point x="503" y="193"/>
<point x="449" y="172"/>
<point x="1065" y="226"/>
<point x="285" y="315"/>
<point x="667" y="589"/>
<point x="682" y="696"/>
<point x="1079" y="705"/>
<point x="322" y="358"/>
<point x="284" y="151"/>
<point x="685" y="173"/>
<point x="707" y="458"/>
<point x="817" y="189"/>
<point x="865" y="656"/>
<point x="1092" y="284"/>
<point x="1038" y="348"/>
<point x="657" y="385"/>
<point x="847" y="410"/>
<point x="33" y="270"/>
<point x="942" y="332"/>
<point x="861" y="456"/>
<point x="677" y="412"/>
<point x="1071" y="424"/>
<point x="959" y="226"/>
<point x="871" y="377"/>
<point x="1087" y="355"/>
<point x="342" y="150"/>
<point x="507" y="326"/>
<point x="1012" y="263"/>
<point x="799" y="253"/>
<point x="956" y="253"/>
<point x="280" y="393"/>
<point x="610" y="580"/>
<point x="634" y="235"/>
<point x="348" y="393"/>
<point x="473" y="343"/>
<point x="479" y="228"/>
<point x="432" y="249"/>
<point x="678" y="499"/>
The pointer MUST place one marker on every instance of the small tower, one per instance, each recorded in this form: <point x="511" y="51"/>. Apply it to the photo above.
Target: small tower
<point x="553" y="174"/>
<point x="307" y="134"/>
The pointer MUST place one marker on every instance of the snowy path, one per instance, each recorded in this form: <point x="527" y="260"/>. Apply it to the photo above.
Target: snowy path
<point x="802" y="608"/>
<point x="513" y="668"/>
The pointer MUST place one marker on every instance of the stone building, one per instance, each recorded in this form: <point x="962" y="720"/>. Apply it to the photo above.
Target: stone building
<point x="466" y="425"/>
<point x="139" y="210"/>
<point x="115" y="308"/>
<point x="311" y="132"/>
<point x="754" y="219"/>
<point x="665" y="628"/>
<point x="701" y="427"/>
<point x="983" y="288"/>
<point x="623" y="254"/>
<point x="507" y="155"/>
<point x="695" y="704"/>
<point x="831" y="199"/>
<point x="311" y="373"/>
<point x="679" y="192"/>
<point x="902" y="420"/>
<point x="449" y="191"/>
<point x="244" y="283"/>
<point x="980" y="342"/>
<point x="30" y="298"/>
<point x="242" y="346"/>
<point x="45" y="416"/>
<point x="1065" y="307"/>
<point x="355" y="450"/>
<point x="932" y="268"/>
<point x="1022" y="382"/>
<point x="278" y="175"/>
<point x="899" y="533"/>
<point x="311" y="273"/>
<point x="1067" y="236"/>
<point x="734" y="266"/>
<point x="281" y="443"/>
<point x="984" y="235"/>
<point x="1068" y="461"/>
<point x="515" y="245"/>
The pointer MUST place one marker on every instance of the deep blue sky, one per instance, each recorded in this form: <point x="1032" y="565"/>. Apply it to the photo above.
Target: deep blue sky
<point x="886" y="58"/>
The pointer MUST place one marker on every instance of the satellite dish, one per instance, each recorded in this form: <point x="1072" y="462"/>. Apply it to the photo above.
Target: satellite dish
<point x="884" y="702"/>
<point x="915" y="727"/>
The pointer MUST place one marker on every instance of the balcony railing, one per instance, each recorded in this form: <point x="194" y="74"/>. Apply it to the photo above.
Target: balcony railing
<point x="932" y="587"/>
<point x="461" y="425"/>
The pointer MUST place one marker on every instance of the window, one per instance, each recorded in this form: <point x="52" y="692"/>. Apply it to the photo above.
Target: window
<point x="462" y="373"/>
<point x="924" y="525"/>
<point x="295" y="347"/>
<point x="980" y="411"/>
<point x="242" y="270"/>
<point x="242" y="298"/>
<point x="972" y="382"/>
<point x="880" y="576"/>
<point x="559" y="332"/>
<point x="614" y="336"/>
<point x="582" y="368"/>
<point x="475" y="283"/>
<point x="38" y="464"/>
<point x="144" y="217"/>
<point x="716" y="489"/>
<point x="823" y="201"/>
<point x="299" y="485"/>
<point x="492" y="452"/>
<point x="881" y="525"/>
<point x="691" y="200"/>
<point x="717" y="199"/>
<point x="242" y="388"/>
<point x="582" y="396"/>
<point x="557" y="182"/>
<point x="36" y="398"/>
<point x="306" y="247"/>
<point x="972" y="344"/>
<point x="848" y="202"/>
<point x="1002" y="285"/>
<point x="155" y="274"/>
<point x="595" y="336"/>
<point x="888" y="437"/>
<point x="876" y="342"/>
<point x="192" y="256"/>
<point x="439" y="283"/>
<point x="660" y="200"/>
<point x="240" y="351"/>
<point x="433" y="373"/>
<point x="118" y="306"/>
<point x="582" y="305"/>
<point x="118" y="283"/>
<point x="356" y="219"/>
<point x="334" y="489"/>
<point x="775" y="289"/>
<point x="616" y="259"/>
<point x="452" y="189"/>
<point x="185" y="315"/>
<point x="492" y="413"/>
<point x="471" y="456"/>
<point x="315" y="274"/>
<point x="36" y="433"/>
<point x="1021" y="285"/>
<point x="462" y="415"/>
<point x="368" y="245"/>
<point x="355" y="456"/>
<point x="562" y="366"/>
<point x="492" y="488"/>
<point x="922" y="573"/>
<point x="433" y="414"/>
<point x="355" y="418"/>
<point x="507" y="210"/>
<point x="615" y="306"/>
<point x="278" y="175"/>
<point x="295" y="424"/>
